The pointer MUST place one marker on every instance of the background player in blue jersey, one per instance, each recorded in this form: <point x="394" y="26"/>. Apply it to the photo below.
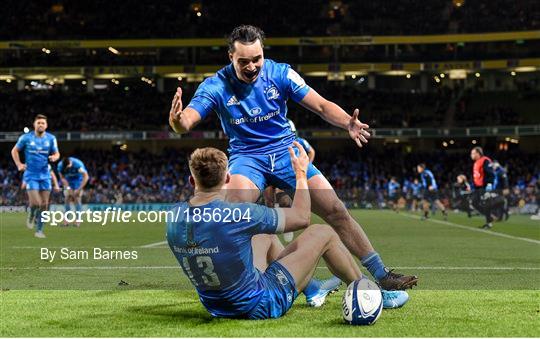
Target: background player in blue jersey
<point x="430" y="196"/>
<point x="416" y="194"/>
<point x="74" y="178"/>
<point x="501" y="185"/>
<point x="211" y="239"/>
<point x="394" y="194"/>
<point x="39" y="148"/>
<point x="250" y="97"/>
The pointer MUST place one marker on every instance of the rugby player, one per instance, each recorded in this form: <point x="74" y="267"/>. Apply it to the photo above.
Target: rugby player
<point x="39" y="148"/>
<point x="430" y="197"/>
<point x="250" y="97"/>
<point x="74" y="177"/>
<point x="211" y="239"/>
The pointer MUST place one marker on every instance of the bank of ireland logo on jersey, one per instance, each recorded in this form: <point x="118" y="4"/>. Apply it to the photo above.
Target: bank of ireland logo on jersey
<point x="271" y="92"/>
<point x="254" y="111"/>
<point x="233" y="101"/>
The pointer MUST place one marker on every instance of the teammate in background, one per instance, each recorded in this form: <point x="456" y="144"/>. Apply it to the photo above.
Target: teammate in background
<point x="74" y="178"/>
<point x="483" y="178"/>
<point x="416" y="193"/>
<point x="309" y="150"/>
<point x="463" y="193"/>
<point x="250" y="97"/>
<point x="501" y="186"/>
<point x="39" y="148"/>
<point x="430" y="198"/>
<point x="393" y="194"/>
<point x="216" y="253"/>
<point x="31" y="219"/>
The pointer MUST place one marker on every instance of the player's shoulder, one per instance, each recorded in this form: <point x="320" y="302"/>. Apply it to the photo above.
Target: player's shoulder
<point x="214" y="83"/>
<point x="78" y="162"/>
<point x="50" y="136"/>
<point x="274" y="68"/>
<point x="25" y="136"/>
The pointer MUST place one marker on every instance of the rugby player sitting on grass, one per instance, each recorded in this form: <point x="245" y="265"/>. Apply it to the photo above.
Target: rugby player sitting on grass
<point x="211" y="239"/>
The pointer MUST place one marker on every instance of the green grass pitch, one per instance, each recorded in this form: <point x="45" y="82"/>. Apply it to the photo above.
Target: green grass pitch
<point x="472" y="283"/>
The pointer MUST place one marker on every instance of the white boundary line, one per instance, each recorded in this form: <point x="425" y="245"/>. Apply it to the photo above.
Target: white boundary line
<point x="431" y="268"/>
<point x="451" y="224"/>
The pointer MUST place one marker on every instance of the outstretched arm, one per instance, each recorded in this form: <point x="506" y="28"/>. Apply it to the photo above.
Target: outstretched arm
<point x="336" y="116"/>
<point x="182" y="120"/>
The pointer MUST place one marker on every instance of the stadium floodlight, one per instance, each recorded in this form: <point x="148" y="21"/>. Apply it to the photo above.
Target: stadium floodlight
<point x="113" y="50"/>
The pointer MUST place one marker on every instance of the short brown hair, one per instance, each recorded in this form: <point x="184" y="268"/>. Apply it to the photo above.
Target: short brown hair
<point x="208" y="166"/>
<point x="479" y="150"/>
<point x="40" y="116"/>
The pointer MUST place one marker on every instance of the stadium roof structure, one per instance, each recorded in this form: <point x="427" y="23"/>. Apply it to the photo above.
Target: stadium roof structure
<point x="197" y="73"/>
<point x="290" y="41"/>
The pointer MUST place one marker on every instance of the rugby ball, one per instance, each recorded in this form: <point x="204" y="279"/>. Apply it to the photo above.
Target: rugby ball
<point x="362" y="302"/>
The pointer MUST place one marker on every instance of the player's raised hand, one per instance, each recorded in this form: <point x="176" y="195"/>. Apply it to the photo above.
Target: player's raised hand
<point x="299" y="163"/>
<point x="358" y="130"/>
<point x="175" y="114"/>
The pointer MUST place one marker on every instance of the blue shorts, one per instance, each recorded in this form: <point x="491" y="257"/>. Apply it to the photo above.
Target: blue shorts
<point x="274" y="169"/>
<point x="279" y="293"/>
<point x="39" y="184"/>
<point x="74" y="184"/>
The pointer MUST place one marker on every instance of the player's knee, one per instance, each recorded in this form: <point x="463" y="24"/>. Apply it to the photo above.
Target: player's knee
<point x="323" y="232"/>
<point x="262" y="240"/>
<point x="336" y="213"/>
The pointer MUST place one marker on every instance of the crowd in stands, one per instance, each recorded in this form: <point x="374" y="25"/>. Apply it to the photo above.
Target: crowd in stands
<point x="360" y="178"/>
<point x="70" y="19"/>
<point x="146" y="109"/>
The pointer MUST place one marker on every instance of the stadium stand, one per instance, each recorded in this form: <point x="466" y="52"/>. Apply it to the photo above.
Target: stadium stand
<point x="71" y="19"/>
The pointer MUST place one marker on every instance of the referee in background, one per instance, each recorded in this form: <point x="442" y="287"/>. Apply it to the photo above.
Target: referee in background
<point x="483" y="177"/>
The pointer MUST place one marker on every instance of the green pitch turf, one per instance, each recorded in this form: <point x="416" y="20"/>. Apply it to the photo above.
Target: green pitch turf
<point x="472" y="283"/>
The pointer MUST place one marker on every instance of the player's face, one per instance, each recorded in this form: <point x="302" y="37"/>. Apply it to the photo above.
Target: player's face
<point x="419" y="169"/>
<point x="247" y="60"/>
<point x="40" y="125"/>
<point x="474" y="155"/>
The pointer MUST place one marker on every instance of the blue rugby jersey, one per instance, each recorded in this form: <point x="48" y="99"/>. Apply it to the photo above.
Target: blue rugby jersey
<point x="36" y="154"/>
<point x="212" y="244"/>
<point x="254" y="116"/>
<point x="73" y="173"/>
<point x="428" y="179"/>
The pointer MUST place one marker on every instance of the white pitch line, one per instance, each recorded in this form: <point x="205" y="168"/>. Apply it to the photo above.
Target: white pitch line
<point x="155" y="244"/>
<point x="451" y="224"/>
<point x="433" y="268"/>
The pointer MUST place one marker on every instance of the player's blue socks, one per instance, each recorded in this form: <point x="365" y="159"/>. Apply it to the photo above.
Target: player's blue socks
<point x="78" y="206"/>
<point x="312" y="287"/>
<point x="39" y="222"/>
<point x="67" y="206"/>
<point x="374" y="264"/>
<point x="32" y="213"/>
